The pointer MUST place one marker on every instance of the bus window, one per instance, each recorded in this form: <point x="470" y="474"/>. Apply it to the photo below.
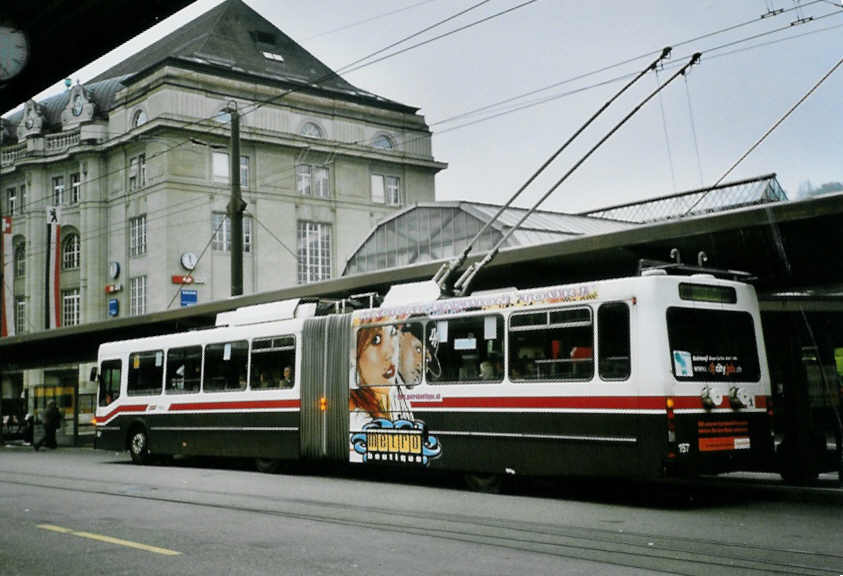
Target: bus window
<point x="225" y="366"/>
<point x="712" y="345"/>
<point x="613" y="339"/>
<point x="109" y="381"/>
<point x="465" y="349"/>
<point x="146" y="373"/>
<point x="551" y="345"/>
<point x="183" y="370"/>
<point x="273" y="362"/>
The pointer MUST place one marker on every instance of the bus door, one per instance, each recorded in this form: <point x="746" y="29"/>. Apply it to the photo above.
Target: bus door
<point x="324" y="387"/>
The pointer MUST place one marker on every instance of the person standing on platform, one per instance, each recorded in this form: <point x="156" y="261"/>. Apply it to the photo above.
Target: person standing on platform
<point x="52" y="420"/>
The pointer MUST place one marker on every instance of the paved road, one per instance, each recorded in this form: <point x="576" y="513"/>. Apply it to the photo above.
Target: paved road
<point x="77" y="511"/>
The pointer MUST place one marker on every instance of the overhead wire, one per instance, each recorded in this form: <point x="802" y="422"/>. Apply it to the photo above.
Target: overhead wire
<point x="666" y="137"/>
<point x="462" y="285"/>
<point x="332" y="73"/>
<point x="615" y="65"/>
<point x="367" y="20"/>
<point x="612" y="80"/>
<point x="547" y="99"/>
<point x="708" y="56"/>
<point x="198" y="258"/>
<point x="615" y="79"/>
<point x="694" y="131"/>
<point x="768" y="132"/>
<point x="216" y="125"/>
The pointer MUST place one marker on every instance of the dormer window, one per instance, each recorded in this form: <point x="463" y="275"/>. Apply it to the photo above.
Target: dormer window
<point x="311" y="130"/>
<point x="139" y="119"/>
<point x="383" y="142"/>
<point x="273" y="56"/>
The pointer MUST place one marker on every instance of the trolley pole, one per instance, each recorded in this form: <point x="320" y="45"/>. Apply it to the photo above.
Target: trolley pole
<point x="236" y="206"/>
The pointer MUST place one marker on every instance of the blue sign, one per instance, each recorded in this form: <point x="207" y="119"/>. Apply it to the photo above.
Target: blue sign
<point x="189" y="297"/>
<point x="113" y="307"/>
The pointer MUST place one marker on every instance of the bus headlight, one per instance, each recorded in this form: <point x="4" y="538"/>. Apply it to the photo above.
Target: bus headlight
<point x="711" y="397"/>
<point x="739" y="398"/>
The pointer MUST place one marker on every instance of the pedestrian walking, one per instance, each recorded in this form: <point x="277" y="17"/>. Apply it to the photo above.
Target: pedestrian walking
<point x="52" y="420"/>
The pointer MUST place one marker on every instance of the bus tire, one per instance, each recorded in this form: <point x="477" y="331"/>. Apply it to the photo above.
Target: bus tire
<point x="267" y="465"/>
<point x="139" y="445"/>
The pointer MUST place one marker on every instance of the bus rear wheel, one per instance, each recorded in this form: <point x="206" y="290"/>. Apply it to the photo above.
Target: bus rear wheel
<point x="139" y="445"/>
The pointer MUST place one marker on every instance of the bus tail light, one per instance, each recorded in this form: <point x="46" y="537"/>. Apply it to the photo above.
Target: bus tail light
<point x="671" y="421"/>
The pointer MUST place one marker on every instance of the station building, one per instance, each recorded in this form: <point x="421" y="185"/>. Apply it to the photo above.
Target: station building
<point x="116" y="190"/>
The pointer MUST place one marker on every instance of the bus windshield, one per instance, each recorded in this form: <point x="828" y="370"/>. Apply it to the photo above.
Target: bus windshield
<point x="712" y="345"/>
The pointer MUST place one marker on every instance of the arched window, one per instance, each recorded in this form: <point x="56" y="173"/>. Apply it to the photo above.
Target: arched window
<point x="311" y="130"/>
<point x="70" y="252"/>
<point x="139" y="119"/>
<point x="383" y="142"/>
<point x="20" y="260"/>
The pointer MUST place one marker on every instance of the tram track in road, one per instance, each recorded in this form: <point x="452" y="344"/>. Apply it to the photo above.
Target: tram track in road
<point x="657" y="553"/>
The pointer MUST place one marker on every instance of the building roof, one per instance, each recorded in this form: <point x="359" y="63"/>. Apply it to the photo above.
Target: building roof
<point x="229" y="39"/>
<point x="441" y="230"/>
<point x="101" y="93"/>
<point x="233" y="38"/>
<point x="759" y="190"/>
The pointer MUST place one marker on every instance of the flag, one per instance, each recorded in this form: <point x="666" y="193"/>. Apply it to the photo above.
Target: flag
<point x="52" y="301"/>
<point x="7" y="295"/>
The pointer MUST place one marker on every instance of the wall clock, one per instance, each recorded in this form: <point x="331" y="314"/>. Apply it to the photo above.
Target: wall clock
<point x="14" y="50"/>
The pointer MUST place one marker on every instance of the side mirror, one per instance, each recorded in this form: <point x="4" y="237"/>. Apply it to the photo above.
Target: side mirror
<point x="93" y="376"/>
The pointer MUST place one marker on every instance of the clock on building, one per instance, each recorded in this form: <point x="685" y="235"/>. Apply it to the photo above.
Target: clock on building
<point x="189" y="260"/>
<point x="14" y="50"/>
<point x="114" y="269"/>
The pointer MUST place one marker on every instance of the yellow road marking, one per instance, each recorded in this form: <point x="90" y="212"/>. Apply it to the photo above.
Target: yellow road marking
<point x="109" y="539"/>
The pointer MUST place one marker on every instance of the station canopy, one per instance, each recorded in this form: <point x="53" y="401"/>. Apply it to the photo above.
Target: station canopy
<point x="441" y="230"/>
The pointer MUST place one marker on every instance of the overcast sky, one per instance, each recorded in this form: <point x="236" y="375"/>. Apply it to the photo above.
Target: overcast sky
<point x="728" y="101"/>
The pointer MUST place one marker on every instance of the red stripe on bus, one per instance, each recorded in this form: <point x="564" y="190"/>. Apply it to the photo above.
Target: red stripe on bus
<point x="124" y="408"/>
<point x="235" y="405"/>
<point x="577" y="402"/>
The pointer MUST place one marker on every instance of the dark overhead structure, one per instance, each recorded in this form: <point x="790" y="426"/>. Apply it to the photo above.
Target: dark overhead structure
<point x="65" y="36"/>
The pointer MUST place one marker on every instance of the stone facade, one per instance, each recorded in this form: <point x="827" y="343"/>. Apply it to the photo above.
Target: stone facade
<point x="152" y="166"/>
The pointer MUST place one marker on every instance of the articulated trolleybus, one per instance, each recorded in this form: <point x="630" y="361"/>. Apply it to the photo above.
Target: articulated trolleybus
<point x="649" y="376"/>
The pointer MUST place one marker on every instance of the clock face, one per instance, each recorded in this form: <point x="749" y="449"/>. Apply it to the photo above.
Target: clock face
<point x="14" y="51"/>
<point x="114" y="269"/>
<point x="188" y="260"/>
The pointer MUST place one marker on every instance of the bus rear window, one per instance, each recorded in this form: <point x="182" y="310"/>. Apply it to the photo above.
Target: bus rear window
<point x="712" y="345"/>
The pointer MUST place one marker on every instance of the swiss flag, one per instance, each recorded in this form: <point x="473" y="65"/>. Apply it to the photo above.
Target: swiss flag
<point x="7" y="225"/>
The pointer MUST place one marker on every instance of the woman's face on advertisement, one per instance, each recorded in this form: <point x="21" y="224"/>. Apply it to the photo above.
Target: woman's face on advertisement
<point x="378" y="361"/>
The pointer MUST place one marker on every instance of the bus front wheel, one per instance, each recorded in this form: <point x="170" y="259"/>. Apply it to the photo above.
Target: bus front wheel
<point x="139" y="445"/>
